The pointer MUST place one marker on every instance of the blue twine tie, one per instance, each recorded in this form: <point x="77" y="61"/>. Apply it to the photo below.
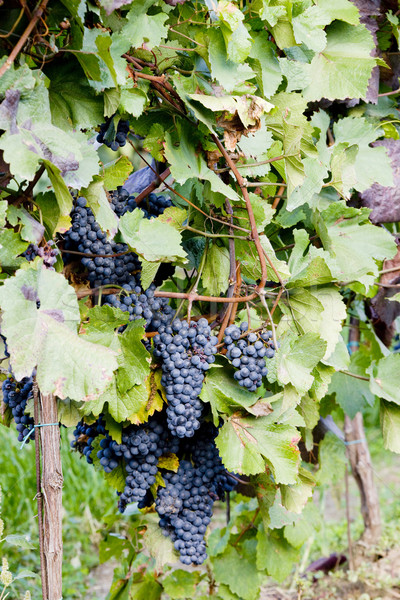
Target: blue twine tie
<point x="28" y="435"/>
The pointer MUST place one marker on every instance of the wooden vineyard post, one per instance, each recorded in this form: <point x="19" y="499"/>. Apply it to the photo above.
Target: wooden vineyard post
<point x="52" y="483"/>
<point x="360" y="462"/>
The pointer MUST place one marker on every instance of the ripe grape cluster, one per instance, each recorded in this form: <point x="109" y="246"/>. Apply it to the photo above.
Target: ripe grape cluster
<point x="248" y="352"/>
<point x="187" y="351"/>
<point x="152" y="206"/>
<point x="141" y="305"/>
<point x="86" y="236"/>
<point x="140" y="449"/>
<point x="396" y="347"/>
<point x="16" y="396"/>
<point x="185" y="503"/>
<point x="111" y="138"/>
<point x="48" y="252"/>
<point x="84" y="436"/>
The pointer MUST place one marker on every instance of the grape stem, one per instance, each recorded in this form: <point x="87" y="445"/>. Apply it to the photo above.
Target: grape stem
<point x="22" y="40"/>
<point x="153" y="185"/>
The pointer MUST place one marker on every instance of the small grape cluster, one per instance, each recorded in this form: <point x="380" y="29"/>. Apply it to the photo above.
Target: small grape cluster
<point x="140" y="448"/>
<point x="84" y="436"/>
<point x="16" y="396"/>
<point x="396" y="347"/>
<point x="48" y="252"/>
<point x="152" y="206"/>
<point x="111" y="138"/>
<point x="86" y="236"/>
<point x="119" y="199"/>
<point x="248" y="352"/>
<point x="185" y="504"/>
<point x="139" y="304"/>
<point x="187" y="350"/>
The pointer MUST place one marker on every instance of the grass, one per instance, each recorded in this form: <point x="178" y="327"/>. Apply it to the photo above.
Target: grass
<point x="86" y="500"/>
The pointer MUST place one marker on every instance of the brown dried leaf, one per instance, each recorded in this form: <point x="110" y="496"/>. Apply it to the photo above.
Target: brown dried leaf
<point x="385" y="201"/>
<point x="384" y="311"/>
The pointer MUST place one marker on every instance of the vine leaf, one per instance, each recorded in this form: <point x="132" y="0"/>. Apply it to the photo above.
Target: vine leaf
<point x="154" y="240"/>
<point x="237" y="39"/>
<point x="226" y="567"/>
<point x="390" y="423"/>
<point x="342" y="70"/>
<point x="311" y="268"/>
<point x="320" y="310"/>
<point x="116" y="173"/>
<point x="181" y="584"/>
<point x="160" y="547"/>
<point x="40" y="317"/>
<point x="73" y="102"/>
<point x="245" y="443"/>
<point x="216" y="270"/>
<point x="141" y="28"/>
<point x="274" y="553"/>
<point x="186" y="163"/>
<point x="385" y="378"/>
<point x="353" y="395"/>
<point x="332" y="460"/>
<point x="295" y="360"/>
<point x="230" y="75"/>
<point x="295" y="496"/>
<point x="265" y="64"/>
<point x="224" y="394"/>
<point x="354" y="243"/>
<point x="97" y="200"/>
<point x="11" y="246"/>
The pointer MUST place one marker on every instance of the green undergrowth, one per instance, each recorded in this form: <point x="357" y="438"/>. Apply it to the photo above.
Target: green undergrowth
<point x="85" y="503"/>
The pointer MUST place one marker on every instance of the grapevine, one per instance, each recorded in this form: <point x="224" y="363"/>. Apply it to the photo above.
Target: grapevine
<point x="199" y="255"/>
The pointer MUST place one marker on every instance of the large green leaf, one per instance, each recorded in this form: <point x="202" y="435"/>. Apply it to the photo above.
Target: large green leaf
<point x="223" y="392"/>
<point x="186" y="163"/>
<point x="216" y="270"/>
<point x="295" y="360"/>
<point x="225" y="71"/>
<point x="181" y="584"/>
<point x="274" y="553"/>
<point x="154" y="240"/>
<point x="343" y="68"/>
<point x="385" y="378"/>
<point x="390" y="422"/>
<point x="352" y="394"/>
<point x="353" y="242"/>
<point x="40" y="317"/>
<point x="245" y="443"/>
<point x="226" y="567"/>
<point x="142" y="28"/>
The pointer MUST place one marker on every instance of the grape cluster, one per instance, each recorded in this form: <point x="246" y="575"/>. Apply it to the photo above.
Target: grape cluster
<point x="248" y="353"/>
<point x="86" y="236"/>
<point x="187" y="351"/>
<point x="16" y="396"/>
<point x="48" y="252"/>
<point x="185" y="504"/>
<point x="140" y="449"/>
<point x="84" y="436"/>
<point x="119" y="199"/>
<point x="109" y="460"/>
<point x="139" y="304"/>
<point x="152" y="206"/>
<point x="396" y="347"/>
<point x="111" y="138"/>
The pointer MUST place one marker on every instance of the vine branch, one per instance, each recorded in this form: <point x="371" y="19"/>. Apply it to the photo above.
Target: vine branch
<point x="21" y="42"/>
